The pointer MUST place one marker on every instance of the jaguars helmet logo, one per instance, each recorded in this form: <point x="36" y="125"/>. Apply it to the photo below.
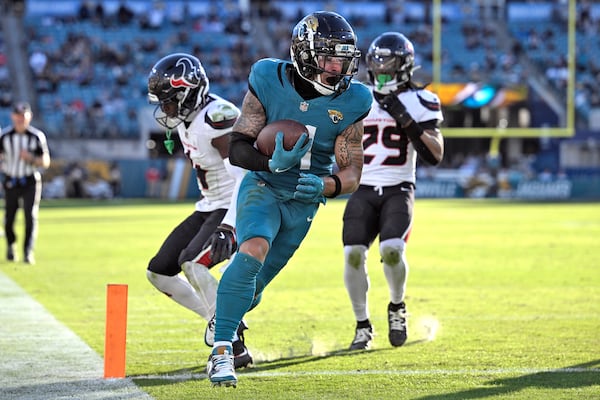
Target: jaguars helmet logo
<point x="307" y="30"/>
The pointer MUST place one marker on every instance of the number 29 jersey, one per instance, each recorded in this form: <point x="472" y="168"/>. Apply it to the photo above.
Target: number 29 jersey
<point x="389" y="156"/>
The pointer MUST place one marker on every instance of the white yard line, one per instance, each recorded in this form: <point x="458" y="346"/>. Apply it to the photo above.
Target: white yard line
<point x="41" y="359"/>
<point x="408" y="372"/>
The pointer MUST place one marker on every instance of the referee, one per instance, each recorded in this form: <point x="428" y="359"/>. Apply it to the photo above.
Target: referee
<point x="23" y="150"/>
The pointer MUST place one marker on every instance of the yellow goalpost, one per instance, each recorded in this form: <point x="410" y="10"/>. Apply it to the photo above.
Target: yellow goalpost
<point x="567" y="130"/>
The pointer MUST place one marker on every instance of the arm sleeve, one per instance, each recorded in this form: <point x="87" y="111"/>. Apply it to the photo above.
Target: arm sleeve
<point x="243" y="153"/>
<point x="414" y="131"/>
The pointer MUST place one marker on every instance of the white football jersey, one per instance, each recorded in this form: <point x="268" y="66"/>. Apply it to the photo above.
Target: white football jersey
<point x="214" y="182"/>
<point x="389" y="155"/>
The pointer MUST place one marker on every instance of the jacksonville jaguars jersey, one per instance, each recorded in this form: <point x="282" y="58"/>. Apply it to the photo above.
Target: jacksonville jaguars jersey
<point x="214" y="182"/>
<point x="325" y="117"/>
<point x="389" y="155"/>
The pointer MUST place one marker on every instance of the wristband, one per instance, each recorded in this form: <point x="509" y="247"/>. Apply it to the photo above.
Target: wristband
<point x="404" y="119"/>
<point x="414" y="133"/>
<point x="413" y="130"/>
<point x="338" y="187"/>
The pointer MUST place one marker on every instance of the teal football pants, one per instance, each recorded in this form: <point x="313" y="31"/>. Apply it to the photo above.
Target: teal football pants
<point x="284" y="224"/>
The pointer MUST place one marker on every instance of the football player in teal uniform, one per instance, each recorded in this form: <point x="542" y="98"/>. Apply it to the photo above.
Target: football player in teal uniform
<point x="280" y="195"/>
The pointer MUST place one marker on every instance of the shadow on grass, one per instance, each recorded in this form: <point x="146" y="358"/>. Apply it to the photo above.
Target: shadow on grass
<point x="571" y="377"/>
<point x="297" y="360"/>
<point x="199" y="373"/>
<point x="564" y="378"/>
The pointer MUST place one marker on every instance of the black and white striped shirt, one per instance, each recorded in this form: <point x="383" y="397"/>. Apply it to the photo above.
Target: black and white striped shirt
<point x="11" y="145"/>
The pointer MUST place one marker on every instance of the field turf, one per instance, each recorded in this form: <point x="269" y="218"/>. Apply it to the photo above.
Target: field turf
<point x="504" y="303"/>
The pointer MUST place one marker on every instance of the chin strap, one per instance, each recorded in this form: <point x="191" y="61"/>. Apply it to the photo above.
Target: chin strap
<point x="169" y="143"/>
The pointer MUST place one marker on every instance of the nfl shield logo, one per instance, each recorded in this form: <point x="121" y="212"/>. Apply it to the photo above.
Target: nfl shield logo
<point x="303" y="106"/>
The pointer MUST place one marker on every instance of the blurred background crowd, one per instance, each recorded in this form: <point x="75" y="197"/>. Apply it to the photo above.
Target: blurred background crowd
<point x="83" y="66"/>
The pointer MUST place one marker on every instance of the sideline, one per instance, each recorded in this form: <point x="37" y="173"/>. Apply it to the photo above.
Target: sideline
<point x="41" y="359"/>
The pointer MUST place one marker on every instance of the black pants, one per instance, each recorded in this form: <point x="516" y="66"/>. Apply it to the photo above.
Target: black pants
<point x="372" y="211"/>
<point x="185" y="242"/>
<point x="29" y="191"/>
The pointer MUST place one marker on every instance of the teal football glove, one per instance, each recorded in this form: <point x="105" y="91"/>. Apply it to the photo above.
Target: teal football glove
<point x="310" y="188"/>
<point x="282" y="160"/>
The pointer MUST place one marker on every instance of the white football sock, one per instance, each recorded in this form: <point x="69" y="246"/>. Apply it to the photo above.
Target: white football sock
<point x="395" y="267"/>
<point x="356" y="279"/>
<point x="203" y="282"/>
<point x="181" y="292"/>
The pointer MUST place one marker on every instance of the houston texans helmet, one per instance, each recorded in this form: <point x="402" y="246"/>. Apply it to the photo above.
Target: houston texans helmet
<point x="316" y="38"/>
<point x="177" y="85"/>
<point x="390" y="62"/>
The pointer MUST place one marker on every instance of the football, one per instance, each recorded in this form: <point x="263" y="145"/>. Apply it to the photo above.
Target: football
<point x="265" y="142"/>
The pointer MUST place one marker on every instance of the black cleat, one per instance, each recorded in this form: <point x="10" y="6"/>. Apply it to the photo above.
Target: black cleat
<point x="397" y="324"/>
<point x="241" y="355"/>
<point x="362" y="338"/>
<point x="209" y="332"/>
<point x="10" y="252"/>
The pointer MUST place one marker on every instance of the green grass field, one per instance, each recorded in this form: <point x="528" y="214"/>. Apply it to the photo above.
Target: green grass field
<point x="504" y="300"/>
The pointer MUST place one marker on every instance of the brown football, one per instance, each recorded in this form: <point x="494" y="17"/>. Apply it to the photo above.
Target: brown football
<point x="265" y="142"/>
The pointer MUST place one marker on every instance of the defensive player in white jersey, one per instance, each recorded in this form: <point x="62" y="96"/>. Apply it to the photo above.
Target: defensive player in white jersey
<point x="404" y="121"/>
<point x="179" y="87"/>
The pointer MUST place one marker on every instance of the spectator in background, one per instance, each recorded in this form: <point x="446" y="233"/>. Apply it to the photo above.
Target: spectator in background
<point x="545" y="175"/>
<point x="5" y="95"/>
<point x="76" y="177"/>
<point x="38" y="61"/>
<point x="86" y="10"/>
<point x="214" y="24"/>
<point x="153" y="178"/>
<point x="154" y="17"/>
<point x="558" y="72"/>
<point x="23" y="150"/>
<point x="124" y="14"/>
<point x="99" y="14"/>
<point x="99" y="125"/>
<point x="75" y="119"/>
<point x="178" y="13"/>
<point x="115" y="179"/>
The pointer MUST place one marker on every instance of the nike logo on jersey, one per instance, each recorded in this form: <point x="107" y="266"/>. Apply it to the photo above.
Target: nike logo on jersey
<point x="280" y="170"/>
<point x="309" y="219"/>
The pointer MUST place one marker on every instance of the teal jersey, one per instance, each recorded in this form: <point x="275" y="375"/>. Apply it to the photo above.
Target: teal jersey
<point x="325" y="117"/>
<point x="266" y="207"/>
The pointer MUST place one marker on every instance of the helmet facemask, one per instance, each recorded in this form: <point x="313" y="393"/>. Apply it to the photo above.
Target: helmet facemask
<point x="178" y="86"/>
<point x="324" y="52"/>
<point x="172" y="111"/>
<point x="390" y="63"/>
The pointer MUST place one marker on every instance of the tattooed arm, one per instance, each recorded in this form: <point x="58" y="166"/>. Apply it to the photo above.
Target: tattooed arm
<point x="349" y="158"/>
<point x="244" y="132"/>
<point x="253" y="117"/>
